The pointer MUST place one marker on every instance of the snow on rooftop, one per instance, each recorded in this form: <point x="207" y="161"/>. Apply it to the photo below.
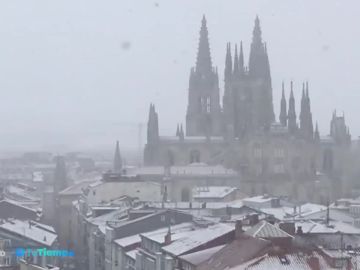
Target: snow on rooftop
<point x="212" y="192"/>
<point x="37" y="232"/>
<point x="266" y="230"/>
<point x="293" y="261"/>
<point x="201" y="256"/>
<point x="280" y="213"/>
<point x="259" y="199"/>
<point x="197" y="205"/>
<point x="177" y="232"/>
<point x="128" y="241"/>
<point x="197" y="238"/>
<point x="132" y="254"/>
<point x="76" y="188"/>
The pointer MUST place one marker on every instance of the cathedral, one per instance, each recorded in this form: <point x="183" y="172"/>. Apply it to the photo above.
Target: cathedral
<point x="281" y="156"/>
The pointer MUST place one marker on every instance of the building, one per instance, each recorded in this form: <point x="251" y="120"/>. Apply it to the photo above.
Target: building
<point x="16" y="233"/>
<point x="277" y="157"/>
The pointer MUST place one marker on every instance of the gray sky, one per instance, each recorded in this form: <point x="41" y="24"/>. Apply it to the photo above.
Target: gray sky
<point x="82" y="73"/>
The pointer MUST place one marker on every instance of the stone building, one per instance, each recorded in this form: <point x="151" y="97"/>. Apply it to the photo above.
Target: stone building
<point x="280" y="157"/>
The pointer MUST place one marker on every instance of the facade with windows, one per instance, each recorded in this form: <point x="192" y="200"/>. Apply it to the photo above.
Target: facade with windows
<point x="241" y="131"/>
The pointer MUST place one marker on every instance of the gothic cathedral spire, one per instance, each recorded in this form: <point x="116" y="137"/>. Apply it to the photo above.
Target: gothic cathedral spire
<point x="203" y="115"/>
<point x="292" y="113"/>
<point x="117" y="159"/>
<point x="203" y="60"/>
<point x="283" y="116"/>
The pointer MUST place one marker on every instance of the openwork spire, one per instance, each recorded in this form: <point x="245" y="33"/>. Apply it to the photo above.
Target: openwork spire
<point x="203" y="60"/>
<point x="292" y="113"/>
<point x="117" y="159"/>
<point x="283" y="115"/>
<point x="228" y="62"/>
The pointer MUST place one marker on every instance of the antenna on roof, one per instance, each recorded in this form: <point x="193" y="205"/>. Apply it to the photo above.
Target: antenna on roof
<point x="327" y="213"/>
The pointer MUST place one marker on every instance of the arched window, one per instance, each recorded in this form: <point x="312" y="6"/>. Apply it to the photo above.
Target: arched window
<point x="194" y="156"/>
<point x="208" y="104"/>
<point x="185" y="194"/>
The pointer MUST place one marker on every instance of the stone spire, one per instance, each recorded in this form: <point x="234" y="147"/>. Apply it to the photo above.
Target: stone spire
<point x="181" y="133"/>
<point x="228" y="63"/>
<point x="292" y="113"/>
<point x="203" y="60"/>
<point x="236" y="62"/>
<point x="152" y="126"/>
<point x="303" y="110"/>
<point x="257" y="58"/>
<point x="117" y="159"/>
<point x="241" y="58"/>
<point x="306" y="124"/>
<point x="283" y="114"/>
<point x="317" y="134"/>
<point x="203" y="111"/>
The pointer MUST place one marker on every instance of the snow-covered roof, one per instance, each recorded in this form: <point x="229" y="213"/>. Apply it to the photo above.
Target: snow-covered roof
<point x="266" y="230"/>
<point x="293" y="261"/>
<point x="37" y="232"/>
<point x="197" y="205"/>
<point x="132" y="254"/>
<point x="128" y="241"/>
<point x="334" y="214"/>
<point x="114" y="216"/>
<point x="177" y="232"/>
<point x="20" y="204"/>
<point x="280" y="213"/>
<point x="201" y="256"/>
<point x="18" y="193"/>
<point x="212" y="192"/>
<point x="76" y="188"/>
<point x="197" y="238"/>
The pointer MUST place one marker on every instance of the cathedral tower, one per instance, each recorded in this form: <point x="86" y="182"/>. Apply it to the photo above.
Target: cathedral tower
<point x="203" y="117"/>
<point x="117" y="166"/>
<point x="259" y="73"/>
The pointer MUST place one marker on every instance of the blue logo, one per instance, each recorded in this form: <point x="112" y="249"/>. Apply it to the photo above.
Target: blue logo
<point x="44" y="252"/>
<point x="20" y="252"/>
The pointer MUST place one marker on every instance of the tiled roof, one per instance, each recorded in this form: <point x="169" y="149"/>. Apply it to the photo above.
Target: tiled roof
<point x="266" y="230"/>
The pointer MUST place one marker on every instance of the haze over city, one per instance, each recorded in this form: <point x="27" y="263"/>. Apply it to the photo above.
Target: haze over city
<point x="72" y="72"/>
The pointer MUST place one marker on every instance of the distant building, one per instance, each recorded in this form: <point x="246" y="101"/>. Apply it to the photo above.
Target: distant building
<point x="277" y="157"/>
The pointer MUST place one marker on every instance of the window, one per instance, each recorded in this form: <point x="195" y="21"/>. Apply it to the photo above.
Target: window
<point x="208" y="105"/>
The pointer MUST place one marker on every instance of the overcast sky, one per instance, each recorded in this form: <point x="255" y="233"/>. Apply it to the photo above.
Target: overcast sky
<point x="82" y="73"/>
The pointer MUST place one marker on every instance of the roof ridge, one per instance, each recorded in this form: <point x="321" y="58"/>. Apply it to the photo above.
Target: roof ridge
<point x="260" y="228"/>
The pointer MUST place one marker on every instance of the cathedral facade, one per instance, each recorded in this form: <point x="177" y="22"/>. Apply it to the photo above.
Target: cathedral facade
<point x="243" y="133"/>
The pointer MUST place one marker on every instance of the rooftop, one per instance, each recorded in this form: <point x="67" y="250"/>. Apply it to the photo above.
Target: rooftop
<point x="266" y="230"/>
<point x="34" y="231"/>
<point x="197" y="238"/>
<point x="201" y="256"/>
<point x="212" y="192"/>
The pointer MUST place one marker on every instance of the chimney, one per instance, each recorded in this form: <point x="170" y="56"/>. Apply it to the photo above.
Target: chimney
<point x="314" y="263"/>
<point x="168" y="237"/>
<point x="238" y="229"/>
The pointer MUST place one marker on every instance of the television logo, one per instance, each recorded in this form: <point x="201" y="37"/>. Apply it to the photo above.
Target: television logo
<point x="2" y="253"/>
